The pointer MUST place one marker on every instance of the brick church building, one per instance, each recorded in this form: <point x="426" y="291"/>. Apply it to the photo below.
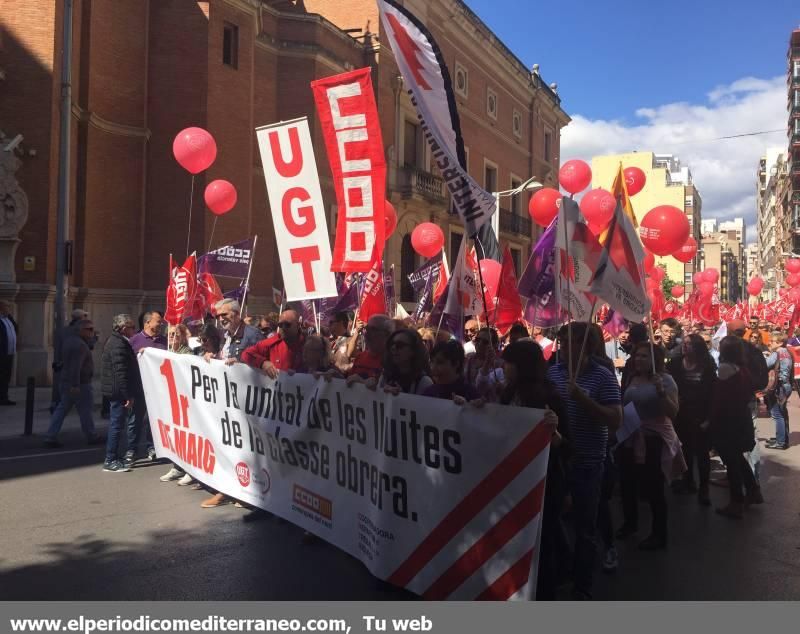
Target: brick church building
<point x="144" y="70"/>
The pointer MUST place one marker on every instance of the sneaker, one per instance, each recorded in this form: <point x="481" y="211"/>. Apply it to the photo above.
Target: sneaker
<point x="776" y="445"/>
<point x="172" y="474"/>
<point x="186" y="480"/>
<point x="115" y="466"/>
<point x="129" y="459"/>
<point x="611" y="560"/>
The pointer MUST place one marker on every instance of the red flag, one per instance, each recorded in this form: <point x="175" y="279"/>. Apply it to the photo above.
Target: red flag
<point x="208" y="294"/>
<point x="509" y="305"/>
<point x="351" y="128"/>
<point x="181" y="290"/>
<point x="373" y="298"/>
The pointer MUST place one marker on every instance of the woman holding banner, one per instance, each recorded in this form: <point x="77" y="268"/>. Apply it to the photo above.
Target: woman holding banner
<point x="405" y="364"/>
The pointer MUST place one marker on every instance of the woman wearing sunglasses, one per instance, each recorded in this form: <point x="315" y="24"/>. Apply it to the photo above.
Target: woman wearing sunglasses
<point x="405" y="364"/>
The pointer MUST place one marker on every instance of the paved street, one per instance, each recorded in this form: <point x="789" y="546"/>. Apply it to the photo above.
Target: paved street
<point x="71" y="531"/>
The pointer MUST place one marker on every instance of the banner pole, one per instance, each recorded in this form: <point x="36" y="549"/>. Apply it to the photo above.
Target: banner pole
<point x="247" y="279"/>
<point x="189" y="230"/>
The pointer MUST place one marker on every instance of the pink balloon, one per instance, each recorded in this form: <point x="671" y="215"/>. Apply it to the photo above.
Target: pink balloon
<point x="677" y="291"/>
<point x="697" y="277"/>
<point x="793" y="279"/>
<point x="490" y="271"/>
<point x="649" y="262"/>
<point x="220" y="196"/>
<point x="755" y="286"/>
<point x="575" y="176"/>
<point x="390" y="219"/>
<point x="543" y="206"/>
<point x="793" y="265"/>
<point x="706" y="288"/>
<point x="711" y="275"/>
<point x="427" y="239"/>
<point x="194" y="149"/>
<point x="658" y="274"/>
<point x="687" y="251"/>
<point x="597" y="207"/>
<point x="635" y="180"/>
<point x="664" y="229"/>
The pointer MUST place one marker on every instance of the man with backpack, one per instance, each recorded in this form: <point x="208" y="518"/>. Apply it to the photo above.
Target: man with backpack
<point x="756" y="366"/>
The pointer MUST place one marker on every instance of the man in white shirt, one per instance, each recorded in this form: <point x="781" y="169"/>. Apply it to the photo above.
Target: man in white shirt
<point x="470" y="330"/>
<point x="8" y="348"/>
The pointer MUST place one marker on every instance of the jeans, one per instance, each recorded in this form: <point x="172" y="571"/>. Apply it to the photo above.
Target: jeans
<point x="83" y="402"/>
<point x="139" y="421"/>
<point x="585" y="481"/>
<point x="780" y="415"/>
<point x="120" y="417"/>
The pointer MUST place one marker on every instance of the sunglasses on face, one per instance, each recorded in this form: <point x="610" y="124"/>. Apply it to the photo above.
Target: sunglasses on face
<point x="285" y="325"/>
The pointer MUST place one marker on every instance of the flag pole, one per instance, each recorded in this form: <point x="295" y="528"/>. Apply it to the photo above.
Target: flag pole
<point x="247" y="280"/>
<point x="189" y="230"/>
<point x="586" y="335"/>
<point x="569" y="298"/>
<point x="314" y="308"/>
<point x="480" y="278"/>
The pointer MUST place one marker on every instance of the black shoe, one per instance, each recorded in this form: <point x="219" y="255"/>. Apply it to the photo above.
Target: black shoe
<point x="775" y="445"/>
<point x="115" y="466"/>
<point x="97" y="440"/>
<point x="151" y="454"/>
<point x="52" y="444"/>
<point x="129" y="459"/>
<point x="626" y="531"/>
<point x="653" y="543"/>
<point x="7" y="402"/>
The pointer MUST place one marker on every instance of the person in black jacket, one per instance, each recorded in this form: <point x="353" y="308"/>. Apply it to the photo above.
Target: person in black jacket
<point x="8" y="348"/>
<point x="122" y="385"/>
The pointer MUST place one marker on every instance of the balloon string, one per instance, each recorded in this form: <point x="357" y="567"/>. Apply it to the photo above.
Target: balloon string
<point x="189" y="230"/>
<point x="213" y="228"/>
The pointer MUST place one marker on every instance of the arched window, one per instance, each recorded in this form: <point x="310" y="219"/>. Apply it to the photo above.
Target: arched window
<point x="408" y="264"/>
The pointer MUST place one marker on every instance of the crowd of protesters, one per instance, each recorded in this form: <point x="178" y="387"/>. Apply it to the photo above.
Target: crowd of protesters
<point x="640" y="412"/>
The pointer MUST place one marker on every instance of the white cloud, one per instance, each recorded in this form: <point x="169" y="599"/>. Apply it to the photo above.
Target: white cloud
<point x="724" y="171"/>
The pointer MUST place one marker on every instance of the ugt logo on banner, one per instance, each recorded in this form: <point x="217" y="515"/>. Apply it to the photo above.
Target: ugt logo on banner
<point x="298" y="212"/>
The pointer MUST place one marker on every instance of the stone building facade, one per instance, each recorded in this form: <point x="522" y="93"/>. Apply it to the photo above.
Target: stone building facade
<point x="142" y="71"/>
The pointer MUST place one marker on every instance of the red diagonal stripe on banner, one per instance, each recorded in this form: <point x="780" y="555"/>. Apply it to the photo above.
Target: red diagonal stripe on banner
<point x="486" y="547"/>
<point x="472" y="504"/>
<point x="510" y="581"/>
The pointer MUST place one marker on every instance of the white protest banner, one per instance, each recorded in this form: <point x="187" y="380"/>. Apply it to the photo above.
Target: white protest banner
<point x="298" y="213"/>
<point x="441" y="499"/>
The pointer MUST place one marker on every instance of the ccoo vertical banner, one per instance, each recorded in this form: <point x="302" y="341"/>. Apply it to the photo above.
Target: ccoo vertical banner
<point x="352" y="131"/>
<point x="301" y="230"/>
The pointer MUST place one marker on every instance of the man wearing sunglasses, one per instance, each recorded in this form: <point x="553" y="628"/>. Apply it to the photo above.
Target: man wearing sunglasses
<point x="76" y="385"/>
<point x="238" y="335"/>
<point x="280" y="351"/>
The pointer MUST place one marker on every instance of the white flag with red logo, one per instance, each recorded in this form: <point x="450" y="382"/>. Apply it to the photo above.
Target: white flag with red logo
<point x="463" y="297"/>
<point x="577" y="255"/>
<point x="181" y="290"/>
<point x="425" y="73"/>
<point x="352" y="132"/>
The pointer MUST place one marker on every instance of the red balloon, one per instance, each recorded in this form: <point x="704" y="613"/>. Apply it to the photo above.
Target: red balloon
<point x="194" y="149"/>
<point x="575" y="176"/>
<point x="220" y="196"/>
<point x="427" y="239"/>
<point x="711" y="275"/>
<point x="794" y="294"/>
<point x="793" y="279"/>
<point x="658" y="274"/>
<point x="543" y="206"/>
<point x="706" y="288"/>
<point x="697" y="277"/>
<point x="664" y="229"/>
<point x="649" y="261"/>
<point x="687" y="251"/>
<point x="390" y="219"/>
<point x="652" y="285"/>
<point x="597" y="207"/>
<point x="677" y="291"/>
<point x="755" y="286"/>
<point x="490" y="272"/>
<point x="793" y="265"/>
<point x="635" y="180"/>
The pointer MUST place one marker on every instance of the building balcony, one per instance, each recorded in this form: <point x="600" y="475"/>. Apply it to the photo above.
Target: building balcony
<point x="794" y="52"/>
<point x="512" y="223"/>
<point x="793" y="80"/>
<point x="413" y="181"/>
<point x="794" y="140"/>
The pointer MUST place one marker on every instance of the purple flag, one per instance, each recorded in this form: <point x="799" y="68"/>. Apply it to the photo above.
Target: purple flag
<point x="615" y="323"/>
<point x="237" y="293"/>
<point x="424" y="299"/>
<point x="348" y="300"/>
<point x="537" y="282"/>
<point x="229" y="261"/>
<point x="431" y="268"/>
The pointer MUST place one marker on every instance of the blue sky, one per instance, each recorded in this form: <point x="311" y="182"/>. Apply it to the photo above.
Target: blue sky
<point x="611" y="58"/>
<point x="668" y="77"/>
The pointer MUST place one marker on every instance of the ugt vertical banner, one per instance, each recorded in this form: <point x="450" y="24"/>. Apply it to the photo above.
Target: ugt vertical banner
<point x="352" y="131"/>
<point x="301" y="230"/>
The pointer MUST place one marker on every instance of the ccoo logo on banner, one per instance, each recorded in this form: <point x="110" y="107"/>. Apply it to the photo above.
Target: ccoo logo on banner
<point x="443" y="500"/>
